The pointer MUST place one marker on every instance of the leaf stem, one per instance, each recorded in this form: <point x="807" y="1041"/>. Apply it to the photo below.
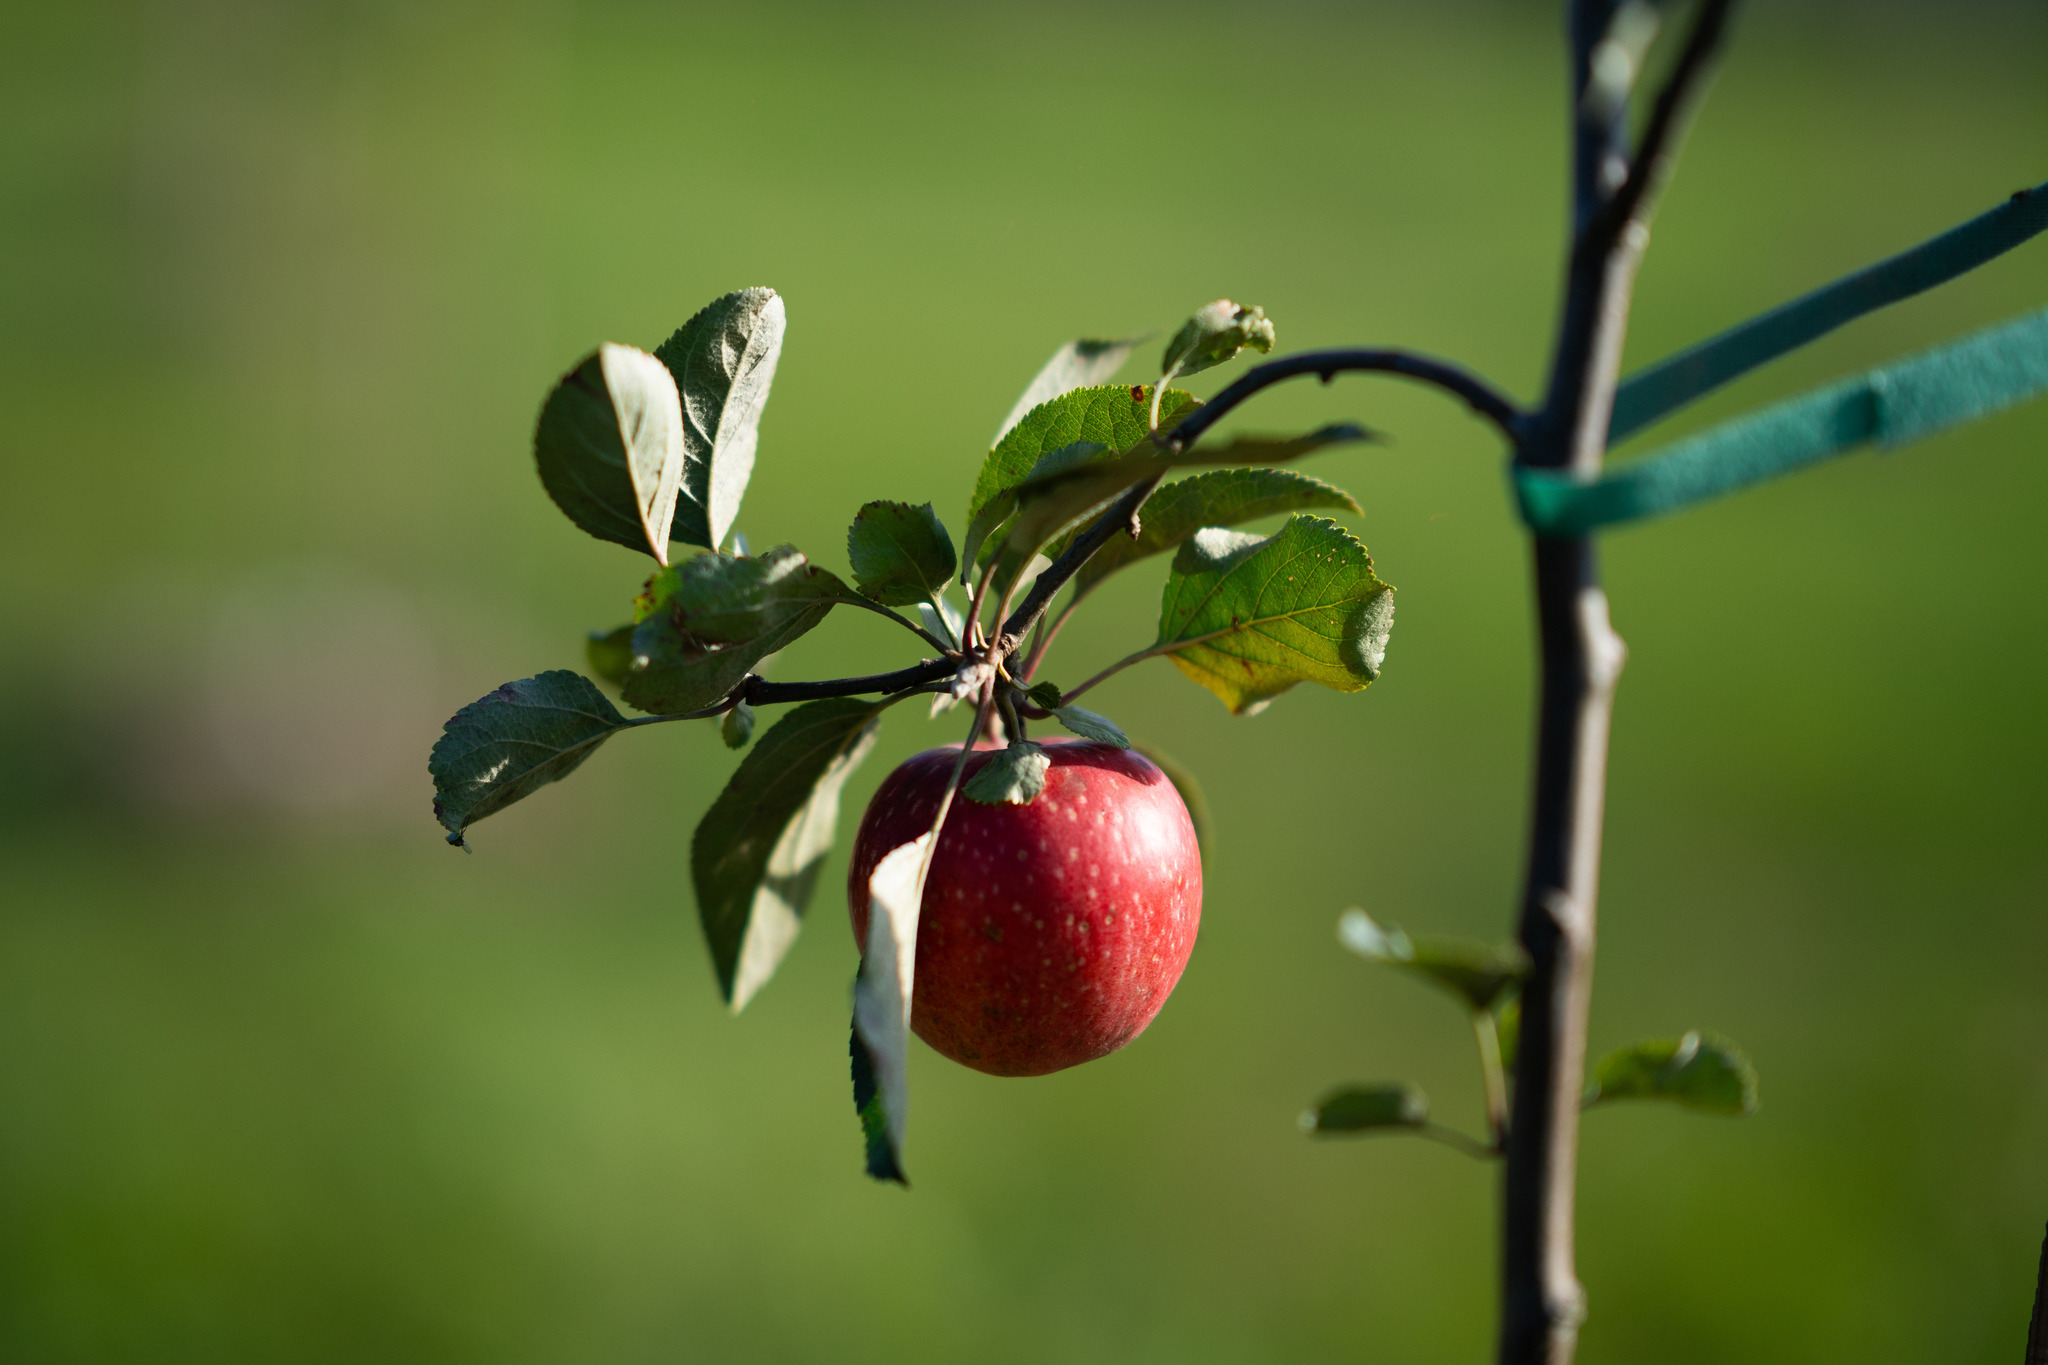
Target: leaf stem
<point x="903" y="621"/>
<point x="1150" y="652"/>
<point x="1487" y="1034"/>
<point x="1452" y="1137"/>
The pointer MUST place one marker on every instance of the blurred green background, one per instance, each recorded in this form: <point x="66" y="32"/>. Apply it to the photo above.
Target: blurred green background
<point x="282" y="1077"/>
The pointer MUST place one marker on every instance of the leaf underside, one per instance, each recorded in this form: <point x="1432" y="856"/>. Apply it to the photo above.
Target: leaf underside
<point x="723" y="360"/>
<point x="881" y="1005"/>
<point x="514" y="741"/>
<point x="1259" y="616"/>
<point x="756" y="855"/>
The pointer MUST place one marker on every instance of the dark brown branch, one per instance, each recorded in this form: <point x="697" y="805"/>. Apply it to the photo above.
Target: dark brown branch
<point x="756" y="690"/>
<point x="1542" y="1302"/>
<point x="1610" y="237"/>
<point x="1121" y="517"/>
<point x="1477" y="394"/>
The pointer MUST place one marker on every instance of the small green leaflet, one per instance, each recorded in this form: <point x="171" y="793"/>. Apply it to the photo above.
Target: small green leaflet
<point x="1215" y="334"/>
<point x="1220" y="497"/>
<point x="1088" y="725"/>
<point x="756" y="854"/>
<point x="514" y="741"/>
<point x="1481" y="974"/>
<point x="900" y="553"/>
<point x="609" y="447"/>
<point x="1078" y="364"/>
<point x="1700" y="1071"/>
<point x="610" y="653"/>
<point x="881" y="1005"/>
<point x="737" y="727"/>
<point x="1363" y="1108"/>
<point x="1249" y="618"/>
<point x="1014" y="776"/>
<point x="723" y="360"/>
<point x="710" y="619"/>
<point x="1111" y="416"/>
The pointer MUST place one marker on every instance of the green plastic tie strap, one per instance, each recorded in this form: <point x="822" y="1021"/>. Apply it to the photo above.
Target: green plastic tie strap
<point x="1891" y="406"/>
<point x="1670" y="384"/>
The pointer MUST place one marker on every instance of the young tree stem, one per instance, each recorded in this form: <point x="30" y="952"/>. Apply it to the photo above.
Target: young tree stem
<point x="1542" y="1302"/>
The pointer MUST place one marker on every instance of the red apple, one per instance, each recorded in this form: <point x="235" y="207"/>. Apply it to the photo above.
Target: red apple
<point x="1052" y="932"/>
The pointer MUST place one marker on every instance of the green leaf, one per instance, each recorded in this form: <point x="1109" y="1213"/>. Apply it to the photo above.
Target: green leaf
<point x="1482" y="974"/>
<point x="1046" y="695"/>
<point x="1111" y="416"/>
<point x="1366" y="1108"/>
<point x="881" y="1005"/>
<point x="1078" y="364"/>
<point x="1215" y="334"/>
<point x="1221" y="497"/>
<point x="514" y="741"/>
<point x="1190" y="790"/>
<point x="723" y="360"/>
<point x="711" y="619"/>
<point x="900" y="554"/>
<point x="756" y="854"/>
<point x="1660" y="389"/>
<point x="610" y="653"/>
<point x="1702" y="1071"/>
<point x="1249" y="618"/>
<point x="1089" y="725"/>
<point x="609" y="447"/>
<point x="1071" y="484"/>
<point x="737" y="726"/>
<point x="1015" y="776"/>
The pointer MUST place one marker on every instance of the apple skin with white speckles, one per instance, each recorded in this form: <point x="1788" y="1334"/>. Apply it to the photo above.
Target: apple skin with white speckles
<point x="1050" y="933"/>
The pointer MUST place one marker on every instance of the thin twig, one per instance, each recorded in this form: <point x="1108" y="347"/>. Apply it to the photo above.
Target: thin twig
<point x="1149" y="652"/>
<point x="756" y="690"/>
<point x="1477" y="394"/>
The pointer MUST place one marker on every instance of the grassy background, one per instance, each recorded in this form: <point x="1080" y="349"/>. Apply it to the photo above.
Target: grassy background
<point x="283" y="1078"/>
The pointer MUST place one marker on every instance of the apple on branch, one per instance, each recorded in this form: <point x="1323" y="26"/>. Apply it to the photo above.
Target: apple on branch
<point x="1051" y="931"/>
